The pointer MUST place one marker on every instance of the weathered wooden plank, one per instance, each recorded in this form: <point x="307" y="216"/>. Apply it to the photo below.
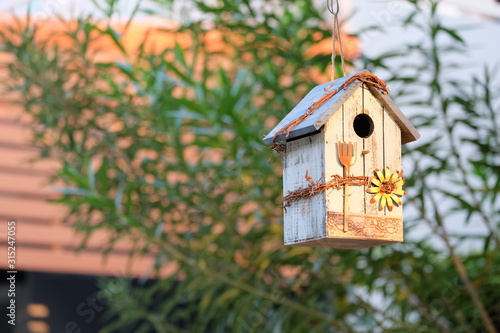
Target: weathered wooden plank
<point x="32" y="220"/>
<point x="16" y="208"/>
<point x="340" y="99"/>
<point x="392" y="153"/>
<point x="304" y="219"/>
<point x="64" y="236"/>
<point x="88" y="263"/>
<point x="13" y="158"/>
<point x="408" y="132"/>
<point x="25" y="183"/>
<point x="14" y="132"/>
<point x="334" y="132"/>
<point x="374" y="145"/>
<point x="11" y="111"/>
<point x="352" y="107"/>
<point x="351" y="243"/>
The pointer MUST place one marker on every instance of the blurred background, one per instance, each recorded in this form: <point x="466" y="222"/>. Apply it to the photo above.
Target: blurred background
<point x="145" y="200"/>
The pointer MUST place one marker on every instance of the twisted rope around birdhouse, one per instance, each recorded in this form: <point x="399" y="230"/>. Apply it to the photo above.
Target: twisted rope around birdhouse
<point x="337" y="182"/>
<point x="364" y="77"/>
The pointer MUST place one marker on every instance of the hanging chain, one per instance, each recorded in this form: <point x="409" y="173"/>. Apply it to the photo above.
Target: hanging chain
<point x="335" y="36"/>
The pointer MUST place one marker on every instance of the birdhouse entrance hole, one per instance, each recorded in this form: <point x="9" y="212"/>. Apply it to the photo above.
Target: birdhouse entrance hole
<point x="363" y="125"/>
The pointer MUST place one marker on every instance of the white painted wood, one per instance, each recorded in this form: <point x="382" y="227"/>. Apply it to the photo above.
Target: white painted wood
<point x="334" y="130"/>
<point x="304" y="219"/>
<point x="307" y="222"/>
<point x="352" y="107"/>
<point x="375" y="144"/>
<point x="392" y="152"/>
<point x="408" y="132"/>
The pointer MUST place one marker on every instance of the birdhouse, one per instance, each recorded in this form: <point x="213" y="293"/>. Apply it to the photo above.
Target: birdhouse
<point x="342" y="169"/>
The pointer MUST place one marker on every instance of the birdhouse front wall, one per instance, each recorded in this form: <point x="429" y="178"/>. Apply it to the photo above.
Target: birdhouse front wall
<point x="319" y="220"/>
<point x="381" y="148"/>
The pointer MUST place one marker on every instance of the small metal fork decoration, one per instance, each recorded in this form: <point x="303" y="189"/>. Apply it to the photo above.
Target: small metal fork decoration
<point x="347" y="156"/>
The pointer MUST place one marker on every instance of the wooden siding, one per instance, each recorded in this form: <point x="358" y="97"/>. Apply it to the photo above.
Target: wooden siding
<point x="334" y="132"/>
<point x="375" y="143"/>
<point x="304" y="219"/>
<point x="353" y="107"/>
<point x="319" y="220"/>
<point x="44" y="242"/>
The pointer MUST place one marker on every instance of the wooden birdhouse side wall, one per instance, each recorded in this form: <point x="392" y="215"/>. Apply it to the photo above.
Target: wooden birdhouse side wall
<point x="382" y="148"/>
<point x="334" y="132"/>
<point x="390" y="148"/>
<point x="373" y="145"/>
<point x="392" y="153"/>
<point x="304" y="219"/>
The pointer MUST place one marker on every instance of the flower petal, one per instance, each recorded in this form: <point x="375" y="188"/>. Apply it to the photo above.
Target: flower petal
<point x="380" y="175"/>
<point x="389" y="203"/>
<point x="396" y="199"/>
<point x="373" y="190"/>
<point x="395" y="176"/>
<point x="387" y="173"/>
<point x="399" y="183"/>
<point x="399" y="191"/>
<point x="382" y="203"/>
<point x="375" y="181"/>
<point x="376" y="197"/>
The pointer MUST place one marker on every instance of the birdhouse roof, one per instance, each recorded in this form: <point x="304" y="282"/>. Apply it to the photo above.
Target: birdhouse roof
<point x="320" y="116"/>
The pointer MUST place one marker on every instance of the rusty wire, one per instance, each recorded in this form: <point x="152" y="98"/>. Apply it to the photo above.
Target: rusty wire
<point x="337" y="182"/>
<point x="279" y="147"/>
<point x="364" y="77"/>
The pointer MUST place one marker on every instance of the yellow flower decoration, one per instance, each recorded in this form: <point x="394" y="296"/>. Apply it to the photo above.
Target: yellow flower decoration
<point x="387" y="186"/>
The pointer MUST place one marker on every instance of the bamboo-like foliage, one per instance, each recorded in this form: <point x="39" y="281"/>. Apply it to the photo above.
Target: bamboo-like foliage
<point x="164" y="149"/>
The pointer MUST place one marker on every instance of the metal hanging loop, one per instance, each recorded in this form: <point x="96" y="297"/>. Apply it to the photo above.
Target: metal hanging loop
<point x="334" y="8"/>
<point x="329" y="5"/>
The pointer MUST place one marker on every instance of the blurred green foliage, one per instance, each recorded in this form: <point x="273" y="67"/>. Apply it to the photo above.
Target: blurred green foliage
<point x="164" y="149"/>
